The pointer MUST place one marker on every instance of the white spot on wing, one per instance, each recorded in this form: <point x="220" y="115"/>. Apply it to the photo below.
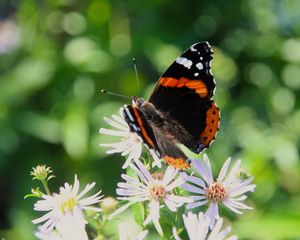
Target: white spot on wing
<point x="185" y="62"/>
<point x="193" y="49"/>
<point x="196" y="74"/>
<point x="199" y="66"/>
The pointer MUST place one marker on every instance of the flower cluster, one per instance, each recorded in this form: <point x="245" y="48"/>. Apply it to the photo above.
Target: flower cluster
<point x="158" y="188"/>
<point x="157" y="191"/>
<point x="64" y="218"/>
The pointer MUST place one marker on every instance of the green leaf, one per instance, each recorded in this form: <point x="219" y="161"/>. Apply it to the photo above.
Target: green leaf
<point x="139" y="212"/>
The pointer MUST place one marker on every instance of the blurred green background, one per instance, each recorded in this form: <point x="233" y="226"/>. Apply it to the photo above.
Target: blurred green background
<point x="56" y="56"/>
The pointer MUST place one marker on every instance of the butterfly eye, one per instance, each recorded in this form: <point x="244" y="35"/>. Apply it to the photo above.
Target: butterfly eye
<point x="140" y="101"/>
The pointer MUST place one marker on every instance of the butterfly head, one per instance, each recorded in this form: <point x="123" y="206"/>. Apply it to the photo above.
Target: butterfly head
<point x="137" y="101"/>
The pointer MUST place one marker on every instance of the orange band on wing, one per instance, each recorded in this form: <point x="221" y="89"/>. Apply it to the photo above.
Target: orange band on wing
<point x="198" y="85"/>
<point x="212" y="125"/>
<point x="140" y="122"/>
<point x="178" y="163"/>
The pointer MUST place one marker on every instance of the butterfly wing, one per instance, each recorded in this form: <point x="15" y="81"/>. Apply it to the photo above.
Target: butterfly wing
<point x="184" y="93"/>
<point x="155" y="141"/>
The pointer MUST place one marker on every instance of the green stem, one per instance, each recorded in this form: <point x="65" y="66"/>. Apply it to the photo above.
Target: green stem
<point x="45" y="185"/>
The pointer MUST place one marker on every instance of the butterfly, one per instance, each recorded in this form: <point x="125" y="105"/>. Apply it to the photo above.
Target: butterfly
<point x="180" y="109"/>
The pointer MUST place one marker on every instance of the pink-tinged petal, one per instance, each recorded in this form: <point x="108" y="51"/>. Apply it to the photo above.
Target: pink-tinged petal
<point x="202" y="171"/>
<point x="233" y="208"/>
<point x="126" y="192"/>
<point x="197" y="181"/>
<point x="241" y="188"/>
<point x="224" y="169"/>
<point x="178" y="182"/>
<point x="234" y="172"/>
<point x="196" y="204"/>
<point x="216" y="229"/>
<point x="208" y="167"/>
<point x="154" y="214"/>
<point x="169" y="175"/>
<point x="239" y="205"/>
<point x="192" y="188"/>
<point x="241" y="198"/>
<point x="144" y="170"/>
<point x="213" y="213"/>
<point x="175" y="234"/>
<point x="139" y="173"/>
<point x="129" y="186"/>
<point x="171" y="205"/>
<point x="179" y="199"/>
<point x="197" y="198"/>
<point x="157" y="160"/>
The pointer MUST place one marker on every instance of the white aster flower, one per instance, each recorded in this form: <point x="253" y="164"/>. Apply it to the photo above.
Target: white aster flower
<point x="229" y="189"/>
<point x="130" y="144"/>
<point x="197" y="228"/>
<point x="68" y="201"/>
<point x="67" y="228"/>
<point x="154" y="188"/>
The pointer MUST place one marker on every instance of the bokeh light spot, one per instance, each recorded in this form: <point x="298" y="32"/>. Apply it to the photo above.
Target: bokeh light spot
<point x="224" y="68"/>
<point x="164" y="55"/>
<point x="74" y="23"/>
<point x="120" y="44"/>
<point x="99" y="12"/>
<point x="84" y="88"/>
<point x="291" y="76"/>
<point x="291" y="50"/>
<point x="283" y="100"/>
<point x="54" y="22"/>
<point x="259" y="74"/>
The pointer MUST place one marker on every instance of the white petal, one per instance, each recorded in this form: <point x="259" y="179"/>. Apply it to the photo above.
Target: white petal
<point x="224" y="169"/>
<point x="120" y="210"/>
<point x="115" y="124"/>
<point x="178" y="182"/>
<point x="113" y="132"/>
<point x="196" y="204"/>
<point x="192" y="188"/>
<point x="175" y="235"/>
<point x="233" y="172"/>
<point x="169" y="175"/>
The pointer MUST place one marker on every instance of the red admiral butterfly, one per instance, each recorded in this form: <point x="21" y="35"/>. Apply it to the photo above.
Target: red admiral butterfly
<point x="180" y="109"/>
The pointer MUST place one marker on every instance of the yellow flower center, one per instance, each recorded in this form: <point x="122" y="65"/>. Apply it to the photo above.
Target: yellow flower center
<point x="69" y="204"/>
<point x="157" y="192"/>
<point x="216" y="192"/>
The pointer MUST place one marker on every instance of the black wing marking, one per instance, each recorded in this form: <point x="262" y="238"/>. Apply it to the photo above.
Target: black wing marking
<point x="138" y="124"/>
<point x="184" y="93"/>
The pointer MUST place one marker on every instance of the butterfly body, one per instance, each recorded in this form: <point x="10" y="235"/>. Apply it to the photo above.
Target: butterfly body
<point x="180" y="109"/>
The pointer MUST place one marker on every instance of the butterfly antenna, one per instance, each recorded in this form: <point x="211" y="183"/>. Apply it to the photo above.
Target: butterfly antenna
<point x="114" y="94"/>
<point x="136" y="75"/>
